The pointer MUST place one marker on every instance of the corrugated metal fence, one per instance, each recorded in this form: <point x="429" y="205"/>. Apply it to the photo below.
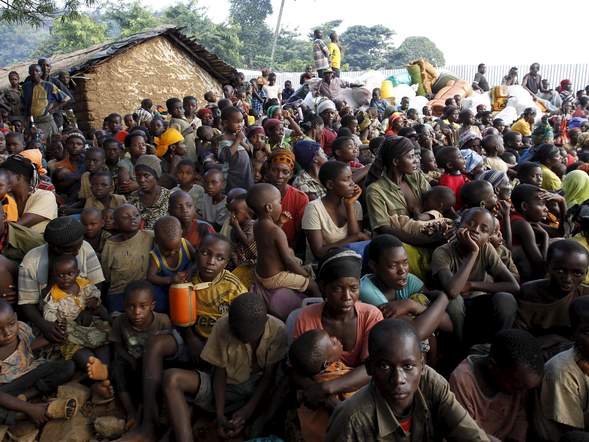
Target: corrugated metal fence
<point x="577" y="73"/>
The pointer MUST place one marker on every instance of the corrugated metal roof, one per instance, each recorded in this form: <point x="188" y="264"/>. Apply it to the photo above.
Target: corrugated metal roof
<point x="78" y="62"/>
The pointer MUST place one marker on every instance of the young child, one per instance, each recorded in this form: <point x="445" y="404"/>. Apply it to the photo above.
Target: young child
<point x="430" y="167"/>
<point x="543" y="305"/>
<point x="562" y="402"/>
<point x="451" y="160"/>
<point x="130" y="333"/>
<point x="462" y="268"/>
<point x="529" y="173"/>
<point x="9" y="205"/>
<point x="74" y="303"/>
<point x="170" y="260"/>
<point x="245" y="349"/>
<point x="378" y="103"/>
<point x="344" y="149"/>
<point x="15" y="143"/>
<point x="183" y="125"/>
<point x="493" y="146"/>
<point x="186" y="177"/>
<point x="396" y="292"/>
<point x="23" y="375"/>
<point x="214" y="203"/>
<point x="125" y="256"/>
<point x="277" y="267"/>
<point x="529" y="238"/>
<point x="242" y="232"/>
<point x="287" y="91"/>
<point x="108" y="216"/>
<point x="101" y="192"/>
<point x="317" y="356"/>
<point x="94" y="232"/>
<point x="494" y="388"/>
<point x="95" y="161"/>
<point x="232" y="151"/>
<point x="194" y="230"/>
<point x="205" y="144"/>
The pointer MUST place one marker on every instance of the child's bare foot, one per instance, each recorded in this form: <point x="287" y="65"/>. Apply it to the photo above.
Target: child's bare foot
<point x="96" y="369"/>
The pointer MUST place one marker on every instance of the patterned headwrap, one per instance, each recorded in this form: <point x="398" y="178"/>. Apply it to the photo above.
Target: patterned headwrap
<point x="271" y="123"/>
<point x="471" y="158"/>
<point x="466" y="137"/>
<point x="282" y="156"/>
<point x="169" y="137"/>
<point x="75" y="134"/>
<point x="144" y="117"/>
<point x="305" y="151"/>
<point x="272" y="110"/>
<point x="36" y="157"/>
<point x="340" y="263"/>
<point x="494" y="177"/>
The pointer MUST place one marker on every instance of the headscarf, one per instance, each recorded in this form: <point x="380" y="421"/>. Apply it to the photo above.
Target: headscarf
<point x="305" y="151"/>
<point x="325" y="105"/>
<point x="282" y="156"/>
<point x="543" y="134"/>
<point x="143" y="116"/>
<point x="471" y="158"/>
<point x="271" y="123"/>
<point x="204" y="112"/>
<point x="255" y="130"/>
<point x="151" y="163"/>
<point x="576" y="122"/>
<point x="164" y="141"/>
<point x="565" y="83"/>
<point x="272" y="110"/>
<point x="339" y="263"/>
<point x="75" y="134"/>
<point x="393" y="148"/>
<point x="466" y="137"/>
<point x="575" y="186"/>
<point x="495" y="177"/>
<point x="36" y="157"/>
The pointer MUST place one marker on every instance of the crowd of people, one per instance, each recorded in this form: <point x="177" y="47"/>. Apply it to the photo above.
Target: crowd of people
<point x="377" y="273"/>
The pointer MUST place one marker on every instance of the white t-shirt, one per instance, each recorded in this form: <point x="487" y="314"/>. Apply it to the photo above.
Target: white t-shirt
<point x="317" y="218"/>
<point x="271" y="91"/>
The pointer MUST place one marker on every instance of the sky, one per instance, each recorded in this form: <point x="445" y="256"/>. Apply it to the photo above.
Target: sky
<point x="509" y="31"/>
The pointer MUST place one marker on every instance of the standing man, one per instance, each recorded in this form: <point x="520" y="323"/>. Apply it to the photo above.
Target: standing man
<point x="58" y="115"/>
<point x="320" y="53"/>
<point x="511" y="78"/>
<point x="40" y="99"/>
<point x="566" y="92"/>
<point x="480" y="82"/>
<point x="335" y="53"/>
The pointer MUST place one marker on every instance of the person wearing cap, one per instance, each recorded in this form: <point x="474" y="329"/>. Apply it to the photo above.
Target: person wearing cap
<point x="151" y="199"/>
<point x="327" y="111"/>
<point x="35" y="208"/>
<point x="310" y="157"/>
<point x="64" y="236"/>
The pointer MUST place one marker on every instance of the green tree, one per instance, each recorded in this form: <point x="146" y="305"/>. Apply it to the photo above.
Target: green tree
<point x="36" y="12"/>
<point x="19" y="42"/>
<point x="365" y="47"/>
<point x="326" y="28"/>
<point x="130" y="18"/>
<point x="412" y="49"/>
<point x="72" y="34"/>
<point x="254" y="33"/>
<point x="293" y="52"/>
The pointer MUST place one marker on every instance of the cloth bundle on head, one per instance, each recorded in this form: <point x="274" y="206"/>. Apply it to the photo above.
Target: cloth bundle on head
<point x="272" y="110"/>
<point x="164" y="141"/>
<point x="494" y="177"/>
<point x="575" y="186"/>
<point x="36" y="157"/>
<point x="471" y="159"/>
<point x="202" y="113"/>
<point x="305" y="151"/>
<point x="151" y="163"/>
<point x="63" y="230"/>
<point x="325" y="105"/>
<point x="466" y="137"/>
<point x="271" y="124"/>
<point x="339" y="263"/>
<point x="282" y="156"/>
<point x="19" y="166"/>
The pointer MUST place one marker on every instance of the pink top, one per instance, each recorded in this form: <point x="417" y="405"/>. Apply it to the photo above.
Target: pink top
<point x="367" y="317"/>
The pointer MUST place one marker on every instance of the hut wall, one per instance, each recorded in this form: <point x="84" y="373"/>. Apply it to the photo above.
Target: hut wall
<point x="154" y="69"/>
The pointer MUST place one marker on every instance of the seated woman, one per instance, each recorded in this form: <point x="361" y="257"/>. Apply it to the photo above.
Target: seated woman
<point x="548" y="155"/>
<point x="151" y="199"/>
<point x="399" y="191"/>
<point x="334" y="220"/>
<point x="344" y="318"/>
<point x="35" y="208"/>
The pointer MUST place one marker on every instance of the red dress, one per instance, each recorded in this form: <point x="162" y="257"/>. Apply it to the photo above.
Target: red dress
<point x="293" y="202"/>
<point x="454" y="182"/>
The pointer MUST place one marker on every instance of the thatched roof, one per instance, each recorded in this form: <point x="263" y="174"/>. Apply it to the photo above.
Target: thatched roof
<point x="78" y="62"/>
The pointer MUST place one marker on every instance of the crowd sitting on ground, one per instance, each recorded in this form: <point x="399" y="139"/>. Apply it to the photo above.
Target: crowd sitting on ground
<point x="359" y="274"/>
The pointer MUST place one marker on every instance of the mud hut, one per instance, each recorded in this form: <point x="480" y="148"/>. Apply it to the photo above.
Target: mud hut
<point x="114" y="77"/>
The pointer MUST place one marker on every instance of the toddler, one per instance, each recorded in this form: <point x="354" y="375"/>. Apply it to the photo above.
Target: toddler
<point x="214" y="203"/>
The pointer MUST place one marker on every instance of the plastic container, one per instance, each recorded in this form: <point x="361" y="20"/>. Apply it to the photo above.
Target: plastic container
<point x="386" y="89"/>
<point x="182" y="304"/>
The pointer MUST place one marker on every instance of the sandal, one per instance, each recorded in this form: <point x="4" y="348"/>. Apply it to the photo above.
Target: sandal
<point x="62" y="409"/>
